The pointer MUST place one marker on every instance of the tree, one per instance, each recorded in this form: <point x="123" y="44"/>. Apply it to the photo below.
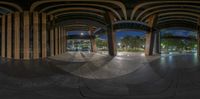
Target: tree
<point x="132" y="43"/>
<point x="126" y="41"/>
<point x="101" y="43"/>
<point x="178" y="44"/>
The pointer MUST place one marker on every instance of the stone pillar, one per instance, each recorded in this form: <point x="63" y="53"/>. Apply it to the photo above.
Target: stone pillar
<point x="111" y="42"/>
<point x="44" y="35"/>
<point x="56" y="40"/>
<point x="92" y="40"/>
<point x="3" y="36"/>
<point x="65" y="40"/>
<point x="35" y="35"/>
<point x="156" y="49"/>
<point x="59" y="40"/>
<point x="93" y="44"/>
<point x="150" y="36"/>
<point x="17" y="35"/>
<point x="198" y="42"/>
<point x="26" y="35"/>
<point x="198" y="37"/>
<point x="9" y="36"/>
<point x="158" y="43"/>
<point x="111" y="34"/>
<point x="52" y="39"/>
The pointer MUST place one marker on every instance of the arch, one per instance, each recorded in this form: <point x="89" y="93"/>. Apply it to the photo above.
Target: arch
<point x="90" y="13"/>
<point x="74" y="25"/>
<point x="186" y="20"/>
<point x="130" y="25"/>
<point x="109" y="8"/>
<point x="178" y="23"/>
<point x="76" y="28"/>
<point x="135" y="9"/>
<point x="171" y="10"/>
<point x="12" y="5"/>
<point x="179" y="13"/>
<point x="177" y="16"/>
<point x="182" y="27"/>
<point x="117" y="3"/>
<point x="163" y="6"/>
<point x="4" y="8"/>
<point x="75" y="19"/>
<point x="80" y="8"/>
<point x="83" y="21"/>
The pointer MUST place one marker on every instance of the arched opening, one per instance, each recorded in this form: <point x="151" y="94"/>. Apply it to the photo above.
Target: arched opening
<point x="78" y="41"/>
<point x="102" y="43"/>
<point x="130" y="42"/>
<point x="178" y="41"/>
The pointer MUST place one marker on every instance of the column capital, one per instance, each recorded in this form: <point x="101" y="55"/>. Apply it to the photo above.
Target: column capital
<point x="109" y="17"/>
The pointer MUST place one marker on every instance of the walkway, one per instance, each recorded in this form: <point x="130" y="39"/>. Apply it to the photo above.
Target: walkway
<point x="96" y="76"/>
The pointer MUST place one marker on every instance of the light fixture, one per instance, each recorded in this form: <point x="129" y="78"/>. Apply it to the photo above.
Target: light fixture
<point x="119" y="44"/>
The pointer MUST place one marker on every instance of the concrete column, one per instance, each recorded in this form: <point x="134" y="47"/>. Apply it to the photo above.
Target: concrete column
<point x="56" y="40"/>
<point x="26" y="35"/>
<point x="65" y="40"/>
<point x="17" y="36"/>
<point x="111" y="34"/>
<point x="59" y="40"/>
<point x="92" y="40"/>
<point x="198" y="37"/>
<point x="52" y="37"/>
<point x="156" y="49"/>
<point x="9" y="36"/>
<point x="158" y="43"/>
<point x="62" y="40"/>
<point x="3" y="36"/>
<point x="35" y="35"/>
<point x="198" y="42"/>
<point x="94" y="46"/>
<point x="150" y="36"/>
<point x="44" y="35"/>
<point x="111" y="42"/>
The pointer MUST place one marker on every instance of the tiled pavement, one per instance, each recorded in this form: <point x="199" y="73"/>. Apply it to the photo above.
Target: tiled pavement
<point x="95" y="76"/>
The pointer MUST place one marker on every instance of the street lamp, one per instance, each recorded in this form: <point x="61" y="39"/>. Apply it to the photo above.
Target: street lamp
<point x="82" y="34"/>
<point x="119" y="44"/>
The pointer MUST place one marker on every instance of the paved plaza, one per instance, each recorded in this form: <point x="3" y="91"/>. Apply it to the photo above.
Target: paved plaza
<point x="79" y="75"/>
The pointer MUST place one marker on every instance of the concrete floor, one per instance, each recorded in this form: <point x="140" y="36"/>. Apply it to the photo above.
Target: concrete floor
<point x="96" y="76"/>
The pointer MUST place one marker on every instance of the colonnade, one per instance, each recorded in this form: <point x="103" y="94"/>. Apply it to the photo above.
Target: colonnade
<point x="31" y="35"/>
<point x="152" y="45"/>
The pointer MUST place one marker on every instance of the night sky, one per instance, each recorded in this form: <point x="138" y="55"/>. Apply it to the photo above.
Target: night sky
<point x="121" y="34"/>
<point x="179" y="32"/>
